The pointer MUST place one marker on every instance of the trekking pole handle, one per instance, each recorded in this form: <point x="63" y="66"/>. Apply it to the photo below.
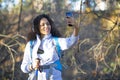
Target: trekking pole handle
<point x="37" y="63"/>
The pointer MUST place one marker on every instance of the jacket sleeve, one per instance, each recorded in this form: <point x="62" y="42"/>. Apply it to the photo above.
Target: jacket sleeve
<point x="26" y="59"/>
<point x="66" y="43"/>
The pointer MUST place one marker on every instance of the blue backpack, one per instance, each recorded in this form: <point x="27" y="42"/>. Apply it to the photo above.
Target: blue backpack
<point x="57" y="63"/>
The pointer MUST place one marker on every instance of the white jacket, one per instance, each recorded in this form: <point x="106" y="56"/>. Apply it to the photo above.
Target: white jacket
<point x="47" y="44"/>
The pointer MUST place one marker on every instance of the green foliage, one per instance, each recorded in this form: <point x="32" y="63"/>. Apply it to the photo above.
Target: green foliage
<point x="1" y="1"/>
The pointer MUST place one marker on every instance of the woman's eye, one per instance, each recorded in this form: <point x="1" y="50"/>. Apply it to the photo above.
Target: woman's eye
<point x="45" y="24"/>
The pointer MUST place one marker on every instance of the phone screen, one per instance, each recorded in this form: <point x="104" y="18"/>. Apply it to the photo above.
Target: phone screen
<point x="69" y="14"/>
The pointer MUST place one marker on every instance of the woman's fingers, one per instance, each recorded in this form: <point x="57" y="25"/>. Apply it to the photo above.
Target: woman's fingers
<point x="71" y="21"/>
<point x="36" y="63"/>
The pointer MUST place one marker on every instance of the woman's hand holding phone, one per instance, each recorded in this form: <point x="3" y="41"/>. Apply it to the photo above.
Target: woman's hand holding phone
<point x="72" y="23"/>
<point x="70" y="19"/>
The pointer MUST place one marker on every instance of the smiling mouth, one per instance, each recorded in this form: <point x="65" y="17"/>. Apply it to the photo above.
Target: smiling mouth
<point x="46" y="30"/>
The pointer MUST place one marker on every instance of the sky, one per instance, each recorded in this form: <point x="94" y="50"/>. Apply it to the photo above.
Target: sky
<point x="75" y="6"/>
<point x="9" y="3"/>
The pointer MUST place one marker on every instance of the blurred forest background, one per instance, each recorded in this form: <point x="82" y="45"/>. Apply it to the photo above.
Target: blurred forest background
<point x="95" y="57"/>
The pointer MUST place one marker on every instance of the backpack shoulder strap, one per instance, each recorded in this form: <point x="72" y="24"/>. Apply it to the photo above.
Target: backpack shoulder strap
<point x="57" y="46"/>
<point x="31" y="47"/>
<point x="58" y="49"/>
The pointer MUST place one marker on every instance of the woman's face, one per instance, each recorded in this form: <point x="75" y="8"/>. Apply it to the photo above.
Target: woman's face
<point x="44" y="27"/>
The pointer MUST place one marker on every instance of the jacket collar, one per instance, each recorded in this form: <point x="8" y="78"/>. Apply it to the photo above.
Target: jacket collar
<point x="47" y="36"/>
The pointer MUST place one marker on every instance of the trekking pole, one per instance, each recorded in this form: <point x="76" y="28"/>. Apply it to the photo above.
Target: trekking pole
<point x="36" y="73"/>
<point x="36" y="70"/>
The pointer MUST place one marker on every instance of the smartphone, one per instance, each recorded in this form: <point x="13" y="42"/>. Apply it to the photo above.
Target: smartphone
<point x="68" y="15"/>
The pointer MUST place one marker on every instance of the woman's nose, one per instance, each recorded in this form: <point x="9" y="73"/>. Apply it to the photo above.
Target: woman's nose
<point x="46" y="25"/>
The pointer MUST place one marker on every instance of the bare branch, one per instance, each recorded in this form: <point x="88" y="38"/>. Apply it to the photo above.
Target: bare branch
<point x="21" y="2"/>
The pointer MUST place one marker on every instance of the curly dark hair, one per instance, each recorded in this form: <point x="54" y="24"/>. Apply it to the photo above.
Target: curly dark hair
<point x="35" y="29"/>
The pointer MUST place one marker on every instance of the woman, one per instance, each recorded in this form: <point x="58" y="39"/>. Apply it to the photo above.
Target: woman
<point x="45" y="56"/>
